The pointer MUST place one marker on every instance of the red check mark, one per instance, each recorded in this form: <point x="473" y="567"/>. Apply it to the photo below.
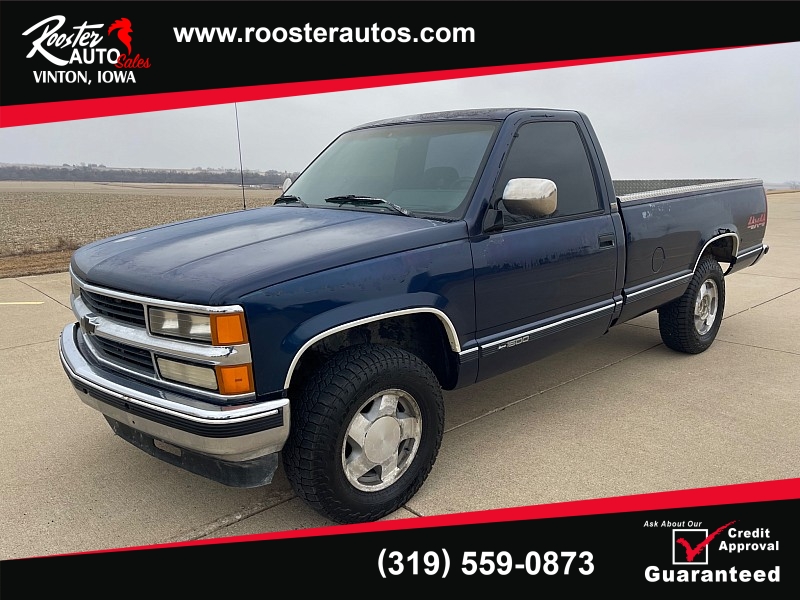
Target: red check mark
<point x="692" y="552"/>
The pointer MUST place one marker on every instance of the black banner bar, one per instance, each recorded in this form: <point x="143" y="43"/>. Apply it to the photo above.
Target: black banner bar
<point x="54" y="51"/>
<point x="751" y="544"/>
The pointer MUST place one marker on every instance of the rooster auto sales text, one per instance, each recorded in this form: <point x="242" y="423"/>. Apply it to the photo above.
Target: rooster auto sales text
<point x="80" y="45"/>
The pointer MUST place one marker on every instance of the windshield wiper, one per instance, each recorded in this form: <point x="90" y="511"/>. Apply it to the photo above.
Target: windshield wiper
<point x="290" y="200"/>
<point x="368" y="200"/>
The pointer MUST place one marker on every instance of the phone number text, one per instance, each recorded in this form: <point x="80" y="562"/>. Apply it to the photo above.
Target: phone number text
<point x="437" y="563"/>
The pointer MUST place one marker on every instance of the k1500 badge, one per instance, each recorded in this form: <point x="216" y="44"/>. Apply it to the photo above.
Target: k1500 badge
<point x="515" y="342"/>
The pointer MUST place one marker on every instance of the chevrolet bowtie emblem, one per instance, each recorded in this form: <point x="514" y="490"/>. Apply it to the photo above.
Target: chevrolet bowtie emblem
<point x="89" y="323"/>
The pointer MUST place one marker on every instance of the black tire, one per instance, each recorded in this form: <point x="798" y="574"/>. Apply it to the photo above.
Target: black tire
<point x="322" y="461"/>
<point x="690" y="323"/>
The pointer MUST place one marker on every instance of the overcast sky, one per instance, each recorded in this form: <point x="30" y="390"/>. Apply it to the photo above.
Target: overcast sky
<point x="723" y="114"/>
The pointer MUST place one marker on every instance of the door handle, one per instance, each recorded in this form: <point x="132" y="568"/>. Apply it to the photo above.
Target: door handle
<point x="607" y="241"/>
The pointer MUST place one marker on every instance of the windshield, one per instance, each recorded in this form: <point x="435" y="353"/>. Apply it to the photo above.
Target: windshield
<point x="422" y="167"/>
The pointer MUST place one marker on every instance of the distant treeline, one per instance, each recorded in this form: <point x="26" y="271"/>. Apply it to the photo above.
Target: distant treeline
<point x="99" y="173"/>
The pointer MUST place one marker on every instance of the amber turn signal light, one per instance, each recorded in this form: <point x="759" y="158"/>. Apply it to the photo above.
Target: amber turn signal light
<point x="237" y="379"/>
<point x="228" y="329"/>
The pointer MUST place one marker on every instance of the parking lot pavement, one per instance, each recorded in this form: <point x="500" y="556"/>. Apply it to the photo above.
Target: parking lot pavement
<point x="619" y="415"/>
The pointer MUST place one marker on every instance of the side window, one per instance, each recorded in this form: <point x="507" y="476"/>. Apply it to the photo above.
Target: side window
<point x="555" y="151"/>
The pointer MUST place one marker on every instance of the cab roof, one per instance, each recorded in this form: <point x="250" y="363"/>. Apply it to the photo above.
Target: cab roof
<point x="475" y="114"/>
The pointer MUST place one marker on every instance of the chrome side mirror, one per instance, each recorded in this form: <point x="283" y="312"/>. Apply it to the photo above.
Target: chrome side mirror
<point x="531" y="197"/>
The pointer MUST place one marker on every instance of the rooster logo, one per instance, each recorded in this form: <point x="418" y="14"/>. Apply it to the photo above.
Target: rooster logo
<point x="124" y="27"/>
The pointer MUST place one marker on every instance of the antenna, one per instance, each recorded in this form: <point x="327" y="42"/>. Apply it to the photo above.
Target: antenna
<point x="241" y="168"/>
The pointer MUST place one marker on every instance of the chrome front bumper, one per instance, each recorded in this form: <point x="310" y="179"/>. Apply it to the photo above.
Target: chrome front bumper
<point x="218" y="438"/>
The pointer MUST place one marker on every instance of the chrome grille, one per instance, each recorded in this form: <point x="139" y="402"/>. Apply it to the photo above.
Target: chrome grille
<point x="114" y="308"/>
<point x="124" y="355"/>
<point x="114" y="330"/>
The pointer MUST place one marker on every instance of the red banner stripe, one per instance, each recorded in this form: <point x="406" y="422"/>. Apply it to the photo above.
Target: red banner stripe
<point x="49" y="112"/>
<point x="767" y="491"/>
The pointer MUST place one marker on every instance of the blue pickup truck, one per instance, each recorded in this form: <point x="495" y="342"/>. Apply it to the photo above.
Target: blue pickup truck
<point x="413" y="255"/>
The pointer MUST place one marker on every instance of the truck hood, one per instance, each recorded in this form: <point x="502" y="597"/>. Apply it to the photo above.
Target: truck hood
<point x="217" y="260"/>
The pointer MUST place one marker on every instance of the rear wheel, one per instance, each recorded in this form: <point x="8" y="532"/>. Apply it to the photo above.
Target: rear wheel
<point x="690" y="323"/>
<point x="366" y="431"/>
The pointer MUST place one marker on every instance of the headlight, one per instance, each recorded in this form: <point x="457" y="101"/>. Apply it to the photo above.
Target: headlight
<point x="204" y="377"/>
<point x="228" y="379"/>
<point x="172" y="323"/>
<point x="218" y="329"/>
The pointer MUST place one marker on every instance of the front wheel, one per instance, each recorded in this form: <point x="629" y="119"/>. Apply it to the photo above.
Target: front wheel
<point x="690" y="323"/>
<point x="366" y="431"/>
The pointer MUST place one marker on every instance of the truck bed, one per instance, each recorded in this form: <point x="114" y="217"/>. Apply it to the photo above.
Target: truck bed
<point x="667" y="228"/>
